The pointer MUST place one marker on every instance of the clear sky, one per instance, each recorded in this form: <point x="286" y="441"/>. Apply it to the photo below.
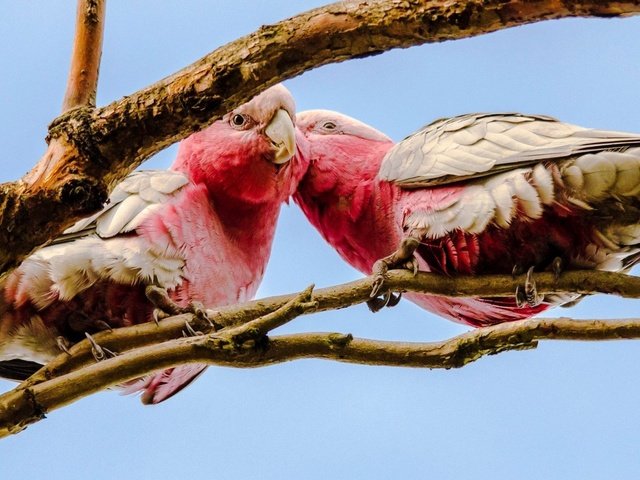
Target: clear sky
<point x="565" y="410"/>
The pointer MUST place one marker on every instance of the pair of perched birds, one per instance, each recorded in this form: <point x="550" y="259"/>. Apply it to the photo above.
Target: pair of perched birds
<point x="475" y="194"/>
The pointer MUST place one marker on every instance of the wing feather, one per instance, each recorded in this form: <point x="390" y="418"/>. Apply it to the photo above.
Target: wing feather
<point x="477" y="145"/>
<point x="133" y="200"/>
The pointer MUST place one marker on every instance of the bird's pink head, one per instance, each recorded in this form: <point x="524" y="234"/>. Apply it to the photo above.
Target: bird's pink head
<point x="339" y="149"/>
<point x="248" y="155"/>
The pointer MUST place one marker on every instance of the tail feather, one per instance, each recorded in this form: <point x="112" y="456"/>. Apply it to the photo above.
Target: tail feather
<point x="160" y="386"/>
<point x="17" y="369"/>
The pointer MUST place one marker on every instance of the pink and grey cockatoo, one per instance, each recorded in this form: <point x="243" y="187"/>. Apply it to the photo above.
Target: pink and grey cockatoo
<point x="202" y="230"/>
<point x="474" y="194"/>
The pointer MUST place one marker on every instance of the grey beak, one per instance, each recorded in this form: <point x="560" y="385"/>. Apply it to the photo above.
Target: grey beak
<point x="283" y="136"/>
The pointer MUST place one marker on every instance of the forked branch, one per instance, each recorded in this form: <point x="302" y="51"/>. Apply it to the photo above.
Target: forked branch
<point x="243" y="340"/>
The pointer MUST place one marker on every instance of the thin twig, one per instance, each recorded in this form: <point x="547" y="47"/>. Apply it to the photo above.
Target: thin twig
<point x="85" y="58"/>
<point x="300" y="304"/>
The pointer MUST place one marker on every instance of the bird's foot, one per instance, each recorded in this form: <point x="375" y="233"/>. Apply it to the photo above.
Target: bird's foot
<point x="557" y="267"/>
<point x="63" y="344"/>
<point x="387" y="299"/>
<point x="166" y="307"/>
<point x="528" y="296"/>
<point x="99" y="353"/>
<point x="189" y="331"/>
<point x="403" y="257"/>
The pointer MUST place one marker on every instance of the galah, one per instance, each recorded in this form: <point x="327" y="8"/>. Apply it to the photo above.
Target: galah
<point x="471" y="195"/>
<point x="201" y="230"/>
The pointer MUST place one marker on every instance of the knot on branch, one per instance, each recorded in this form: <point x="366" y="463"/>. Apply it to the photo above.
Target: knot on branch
<point x="339" y="340"/>
<point x="200" y="106"/>
<point x="83" y="195"/>
<point x="75" y="127"/>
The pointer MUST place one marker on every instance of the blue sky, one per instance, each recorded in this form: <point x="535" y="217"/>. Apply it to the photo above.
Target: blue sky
<point x="565" y="410"/>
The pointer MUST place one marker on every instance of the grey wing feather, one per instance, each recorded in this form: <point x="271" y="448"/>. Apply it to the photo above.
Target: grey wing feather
<point x="133" y="199"/>
<point x="476" y="145"/>
<point x="18" y="369"/>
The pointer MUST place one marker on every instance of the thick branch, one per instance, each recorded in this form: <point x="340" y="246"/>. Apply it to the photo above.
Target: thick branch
<point x="85" y="58"/>
<point x="21" y="407"/>
<point x="331" y="298"/>
<point x="91" y="150"/>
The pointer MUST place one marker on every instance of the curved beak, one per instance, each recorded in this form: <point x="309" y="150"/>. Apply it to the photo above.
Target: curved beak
<point x="282" y="134"/>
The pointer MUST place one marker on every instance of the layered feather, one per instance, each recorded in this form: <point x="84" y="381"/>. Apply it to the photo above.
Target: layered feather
<point x="485" y="193"/>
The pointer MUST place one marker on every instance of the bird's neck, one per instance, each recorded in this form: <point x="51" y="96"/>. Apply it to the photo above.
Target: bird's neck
<point x="248" y="221"/>
<point x="350" y="208"/>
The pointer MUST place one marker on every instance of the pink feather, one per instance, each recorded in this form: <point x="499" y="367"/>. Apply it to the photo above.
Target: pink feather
<point x="204" y="232"/>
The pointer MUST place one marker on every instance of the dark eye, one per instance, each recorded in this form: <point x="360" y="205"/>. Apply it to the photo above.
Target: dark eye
<point x="238" y="120"/>
<point x="329" y="126"/>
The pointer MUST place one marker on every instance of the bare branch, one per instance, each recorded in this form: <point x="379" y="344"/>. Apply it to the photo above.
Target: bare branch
<point x="85" y="59"/>
<point x="91" y="150"/>
<point x="298" y="305"/>
<point x="331" y="298"/>
<point x="24" y="406"/>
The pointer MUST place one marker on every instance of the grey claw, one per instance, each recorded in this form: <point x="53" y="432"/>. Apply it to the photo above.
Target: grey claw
<point x="190" y="331"/>
<point x="521" y="298"/>
<point x="388" y="299"/>
<point x="531" y="293"/>
<point x="394" y="299"/>
<point x="556" y="268"/>
<point x="159" y="297"/>
<point x="376" y="304"/>
<point x="377" y="286"/>
<point x="158" y="315"/>
<point x="99" y="353"/>
<point x="63" y="344"/>
<point x="379" y="272"/>
<point x="412" y="265"/>
<point x="200" y="312"/>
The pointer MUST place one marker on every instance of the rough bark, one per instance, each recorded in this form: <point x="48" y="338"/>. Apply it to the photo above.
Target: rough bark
<point x="332" y="298"/>
<point x="239" y="348"/>
<point x="91" y="149"/>
<point x="238" y="338"/>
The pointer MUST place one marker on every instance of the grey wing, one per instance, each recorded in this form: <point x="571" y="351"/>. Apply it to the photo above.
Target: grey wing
<point x="477" y="145"/>
<point x="133" y="199"/>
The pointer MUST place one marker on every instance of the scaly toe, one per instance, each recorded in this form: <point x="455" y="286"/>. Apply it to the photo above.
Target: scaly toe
<point x="412" y="265"/>
<point x="557" y="267"/>
<point x="376" y="304"/>
<point x="63" y="344"/>
<point x="189" y="331"/>
<point x="394" y="299"/>
<point x="161" y="300"/>
<point x="99" y="353"/>
<point x="530" y="290"/>
<point x="521" y="297"/>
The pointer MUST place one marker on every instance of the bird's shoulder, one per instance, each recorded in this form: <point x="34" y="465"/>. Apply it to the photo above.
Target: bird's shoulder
<point x="476" y="145"/>
<point x="131" y="202"/>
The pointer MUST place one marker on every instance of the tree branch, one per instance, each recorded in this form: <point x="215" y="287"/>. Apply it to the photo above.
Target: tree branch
<point x="90" y="149"/>
<point x="85" y="58"/>
<point x="331" y="298"/>
<point x="24" y="406"/>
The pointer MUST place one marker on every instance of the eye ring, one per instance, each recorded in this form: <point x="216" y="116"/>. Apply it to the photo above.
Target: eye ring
<point x="237" y="120"/>
<point x="329" y="125"/>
